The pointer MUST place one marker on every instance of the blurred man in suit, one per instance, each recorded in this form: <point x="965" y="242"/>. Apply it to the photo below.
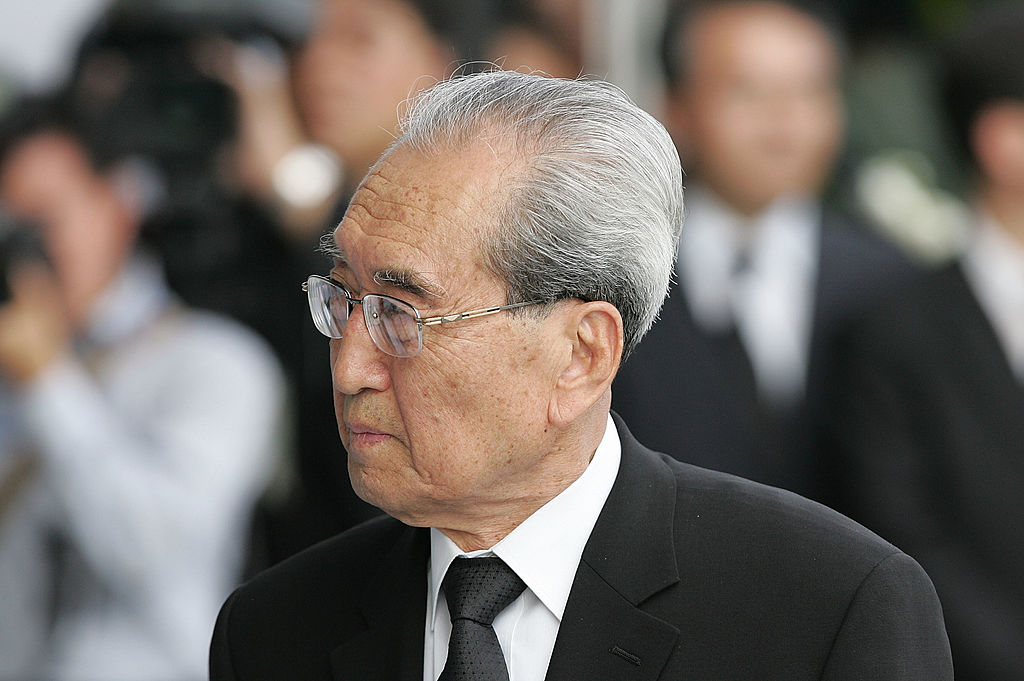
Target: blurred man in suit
<point x="929" y="398"/>
<point x="493" y="268"/>
<point x="730" y="374"/>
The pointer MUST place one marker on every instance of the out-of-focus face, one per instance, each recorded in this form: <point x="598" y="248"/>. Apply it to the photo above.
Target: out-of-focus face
<point x="363" y="59"/>
<point x="759" y="115"/>
<point x="461" y="428"/>
<point x="86" y="230"/>
<point x="997" y="141"/>
<point x="520" y="47"/>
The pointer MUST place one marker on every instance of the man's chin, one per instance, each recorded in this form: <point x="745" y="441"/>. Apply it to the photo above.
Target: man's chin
<point x="389" y="498"/>
<point x="371" y="486"/>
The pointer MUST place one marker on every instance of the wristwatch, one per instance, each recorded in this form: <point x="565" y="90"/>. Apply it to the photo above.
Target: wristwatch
<point x="307" y="175"/>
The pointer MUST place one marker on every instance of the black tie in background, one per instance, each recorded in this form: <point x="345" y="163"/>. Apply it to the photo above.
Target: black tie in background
<point x="476" y="590"/>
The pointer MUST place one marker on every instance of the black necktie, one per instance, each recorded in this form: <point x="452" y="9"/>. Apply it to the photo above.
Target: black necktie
<point x="477" y="589"/>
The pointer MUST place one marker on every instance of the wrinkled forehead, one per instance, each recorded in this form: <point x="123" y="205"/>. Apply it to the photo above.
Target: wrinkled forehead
<point x="422" y="213"/>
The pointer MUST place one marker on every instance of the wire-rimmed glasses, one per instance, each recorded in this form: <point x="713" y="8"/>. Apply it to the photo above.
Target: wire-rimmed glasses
<point x="395" y="326"/>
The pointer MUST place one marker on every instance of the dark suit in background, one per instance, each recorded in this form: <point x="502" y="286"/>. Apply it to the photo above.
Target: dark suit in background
<point x="691" y="393"/>
<point x="754" y="104"/>
<point x="688" y="574"/>
<point x="929" y="422"/>
<point x="928" y="430"/>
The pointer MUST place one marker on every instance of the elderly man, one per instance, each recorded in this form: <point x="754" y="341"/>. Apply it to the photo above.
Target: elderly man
<point x="496" y="263"/>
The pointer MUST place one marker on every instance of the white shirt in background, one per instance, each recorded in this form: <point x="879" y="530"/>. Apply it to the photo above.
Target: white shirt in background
<point x="756" y="275"/>
<point x="993" y="264"/>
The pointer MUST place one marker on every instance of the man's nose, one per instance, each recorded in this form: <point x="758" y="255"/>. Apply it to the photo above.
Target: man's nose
<point x="356" y="361"/>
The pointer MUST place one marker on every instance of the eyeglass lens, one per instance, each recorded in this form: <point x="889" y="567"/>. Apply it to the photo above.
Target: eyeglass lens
<point x="392" y="324"/>
<point x="328" y="306"/>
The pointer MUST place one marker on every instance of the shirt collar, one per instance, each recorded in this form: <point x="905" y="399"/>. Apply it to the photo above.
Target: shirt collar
<point x="781" y="238"/>
<point x="545" y="549"/>
<point x="993" y="263"/>
<point x="135" y="297"/>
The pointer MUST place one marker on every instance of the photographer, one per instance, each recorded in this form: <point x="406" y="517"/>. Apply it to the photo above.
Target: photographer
<point x="136" y="433"/>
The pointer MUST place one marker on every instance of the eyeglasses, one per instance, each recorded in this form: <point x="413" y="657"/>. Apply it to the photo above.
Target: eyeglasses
<point x="396" y="327"/>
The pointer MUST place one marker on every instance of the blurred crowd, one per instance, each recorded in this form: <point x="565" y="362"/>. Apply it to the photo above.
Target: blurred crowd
<point x="846" y="320"/>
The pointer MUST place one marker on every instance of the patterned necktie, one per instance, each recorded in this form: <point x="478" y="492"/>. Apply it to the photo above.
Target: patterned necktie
<point x="476" y="590"/>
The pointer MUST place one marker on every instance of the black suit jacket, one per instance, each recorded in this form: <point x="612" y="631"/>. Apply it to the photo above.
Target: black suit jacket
<point x="929" y="434"/>
<point x="688" y="574"/>
<point x="691" y="393"/>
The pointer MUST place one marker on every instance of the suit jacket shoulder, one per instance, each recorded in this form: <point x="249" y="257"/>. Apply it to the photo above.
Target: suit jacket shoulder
<point x="688" y="574"/>
<point x="694" y="574"/>
<point x="318" y="614"/>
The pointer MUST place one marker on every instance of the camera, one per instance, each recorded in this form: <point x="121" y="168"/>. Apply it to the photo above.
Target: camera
<point x="20" y="241"/>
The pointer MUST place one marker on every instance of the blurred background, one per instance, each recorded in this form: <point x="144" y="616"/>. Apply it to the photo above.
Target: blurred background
<point x="893" y="123"/>
<point x="225" y="137"/>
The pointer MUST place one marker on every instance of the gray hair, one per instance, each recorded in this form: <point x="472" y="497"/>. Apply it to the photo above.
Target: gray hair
<point x="597" y="211"/>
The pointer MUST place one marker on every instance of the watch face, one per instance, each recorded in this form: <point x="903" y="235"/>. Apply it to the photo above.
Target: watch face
<point x="307" y="176"/>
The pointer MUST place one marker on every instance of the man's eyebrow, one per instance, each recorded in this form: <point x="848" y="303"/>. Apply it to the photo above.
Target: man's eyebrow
<point x="329" y="248"/>
<point x="408" y="281"/>
<point x="403" y="279"/>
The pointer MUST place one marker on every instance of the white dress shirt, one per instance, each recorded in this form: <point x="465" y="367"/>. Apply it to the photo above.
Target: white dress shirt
<point x="545" y="551"/>
<point x="154" y="442"/>
<point x="757" y="275"/>
<point x="993" y="264"/>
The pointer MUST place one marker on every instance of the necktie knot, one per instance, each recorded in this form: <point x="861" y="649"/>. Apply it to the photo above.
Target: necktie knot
<point x="478" y="589"/>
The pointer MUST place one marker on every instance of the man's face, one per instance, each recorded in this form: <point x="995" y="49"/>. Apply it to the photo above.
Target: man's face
<point x="462" y="425"/>
<point x="363" y="59"/>
<point x="760" y="113"/>
<point x="85" y="229"/>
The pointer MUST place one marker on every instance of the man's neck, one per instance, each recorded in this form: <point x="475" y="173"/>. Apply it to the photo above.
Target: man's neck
<point x="564" y="464"/>
<point x="488" y="528"/>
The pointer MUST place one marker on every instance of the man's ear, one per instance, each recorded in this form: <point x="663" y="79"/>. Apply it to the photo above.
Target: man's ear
<point x="595" y="336"/>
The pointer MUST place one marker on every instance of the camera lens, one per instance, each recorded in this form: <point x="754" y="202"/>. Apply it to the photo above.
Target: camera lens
<point x="19" y="242"/>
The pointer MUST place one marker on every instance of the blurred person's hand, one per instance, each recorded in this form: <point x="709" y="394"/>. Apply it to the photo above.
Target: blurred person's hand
<point x="34" y="329"/>
<point x="269" y="125"/>
<point x="274" y="160"/>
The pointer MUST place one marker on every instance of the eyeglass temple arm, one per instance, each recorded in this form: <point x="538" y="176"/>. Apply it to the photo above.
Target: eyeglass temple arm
<point x="449" y="318"/>
<point x="482" y="312"/>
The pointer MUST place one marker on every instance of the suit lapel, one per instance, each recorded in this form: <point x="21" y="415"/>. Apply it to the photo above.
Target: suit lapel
<point x="854" y="268"/>
<point x="629" y="558"/>
<point x="390" y="647"/>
